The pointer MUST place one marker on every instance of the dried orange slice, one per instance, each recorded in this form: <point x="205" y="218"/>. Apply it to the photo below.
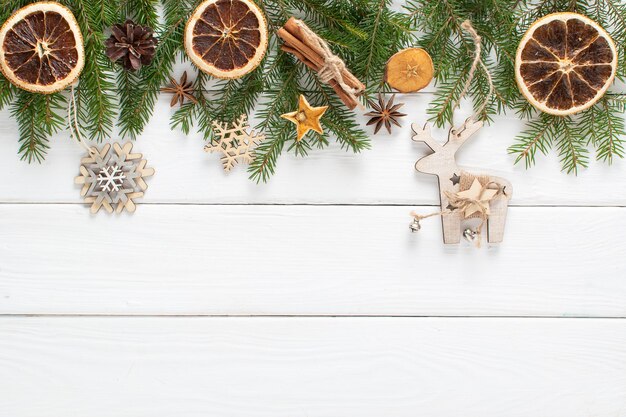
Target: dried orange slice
<point x="565" y="63"/>
<point x="41" y="48"/>
<point x="226" y="38"/>
<point x="409" y="70"/>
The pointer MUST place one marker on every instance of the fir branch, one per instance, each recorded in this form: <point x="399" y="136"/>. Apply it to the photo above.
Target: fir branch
<point x="283" y="98"/>
<point x="442" y="109"/>
<point x="603" y="125"/>
<point x="7" y="92"/>
<point x="345" y="129"/>
<point x="143" y="12"/>
<point x="95" y="99"/>
<point x="137" y="106"/>
<point x="571" y="146"/>
<point x="538" y="136"/>
<point x="615" y="17"/>
<point x="191" y="113"/>
<point x="284" y="74"/>
<point x="37" y="119"/>
<point x="388" y="32"/>
<point x="330" y="17"/>
<point x="372" y="49"/>
<point x="10" y="6"/>
<point x="237" y="97"/>
<point x="263" y="165"/>
<point x="204" y="113"/>
<point x="277" y="12"/>
<point x="128" y="84"/>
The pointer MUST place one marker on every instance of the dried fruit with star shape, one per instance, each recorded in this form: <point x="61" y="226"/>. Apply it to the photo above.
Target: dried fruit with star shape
<point x="131" y="45"/>
<point x="181" y="90"/>
<point x="235" y="143"/>
<point x="384" y="113"/>
<point x="409" y="70"/>
<point x="113" y="177"/>
<point x="306" y="118"/>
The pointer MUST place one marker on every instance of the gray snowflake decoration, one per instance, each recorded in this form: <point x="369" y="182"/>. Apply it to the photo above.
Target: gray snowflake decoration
<point x="113" y="177"/>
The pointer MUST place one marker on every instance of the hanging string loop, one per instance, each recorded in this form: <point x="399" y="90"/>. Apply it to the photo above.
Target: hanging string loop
<point x="476" y="63"/>
<point x="72" y="118"/>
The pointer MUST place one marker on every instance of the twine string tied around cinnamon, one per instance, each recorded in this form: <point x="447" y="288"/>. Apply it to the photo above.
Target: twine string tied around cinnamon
<point x="333" y="66"/>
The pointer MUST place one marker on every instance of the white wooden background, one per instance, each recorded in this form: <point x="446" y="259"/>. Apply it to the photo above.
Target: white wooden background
<point x="308" y="296"/>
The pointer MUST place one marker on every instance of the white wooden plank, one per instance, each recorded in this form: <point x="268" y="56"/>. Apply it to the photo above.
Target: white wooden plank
<point x="324" y="367"/>
<point x="384" y="174"/>
<point x="306" y="260"/>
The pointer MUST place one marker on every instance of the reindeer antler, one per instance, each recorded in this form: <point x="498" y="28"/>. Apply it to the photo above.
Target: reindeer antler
<point x="468" y="128"/>
<point x="422" y="134"/>
<point x="458" y="136"/>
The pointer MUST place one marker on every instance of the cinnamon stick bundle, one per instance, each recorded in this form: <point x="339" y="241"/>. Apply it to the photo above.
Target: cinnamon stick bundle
<point x="300" y="41"/>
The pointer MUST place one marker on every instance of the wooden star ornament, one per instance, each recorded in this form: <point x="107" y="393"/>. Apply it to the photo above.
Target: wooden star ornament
<point x="480" y="197"/>
<point x="306" y="117"/>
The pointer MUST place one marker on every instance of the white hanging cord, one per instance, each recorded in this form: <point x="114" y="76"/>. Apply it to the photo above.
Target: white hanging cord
<point x="467" y="26"/>
<point x="72" y="117"/>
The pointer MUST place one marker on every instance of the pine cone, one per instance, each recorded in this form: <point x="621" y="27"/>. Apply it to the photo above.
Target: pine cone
<point x="131" y="45"/>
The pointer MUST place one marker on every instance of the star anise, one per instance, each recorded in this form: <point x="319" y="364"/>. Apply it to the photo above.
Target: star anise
<point x="132" y="45"/>
<point x="181" y="90"/>
<point x="384" y="113"/>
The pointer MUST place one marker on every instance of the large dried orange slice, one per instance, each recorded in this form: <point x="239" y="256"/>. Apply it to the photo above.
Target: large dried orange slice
<point x="409" y="70"/>
<point x="565" y="63"/>
<point x="226" y="38"/>
<point x="41" y="48"/>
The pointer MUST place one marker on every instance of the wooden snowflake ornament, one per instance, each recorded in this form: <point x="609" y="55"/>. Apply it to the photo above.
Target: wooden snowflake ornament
<point x="463" y="195"/>
<point x="235" y="142"/>
<point x="113" y="178"/>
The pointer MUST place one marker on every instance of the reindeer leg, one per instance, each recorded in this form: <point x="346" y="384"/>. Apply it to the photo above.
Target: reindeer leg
<point x="451" y="228"/>
<point x="497" y="219"/>
<point x="451" y="221"/>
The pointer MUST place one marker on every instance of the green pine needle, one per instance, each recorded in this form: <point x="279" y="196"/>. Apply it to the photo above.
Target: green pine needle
<point x="38" y="118"/>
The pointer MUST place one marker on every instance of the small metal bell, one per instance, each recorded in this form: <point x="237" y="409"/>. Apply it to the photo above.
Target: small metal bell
<point x="469" y="235"/>
<point x="415" y="226"/>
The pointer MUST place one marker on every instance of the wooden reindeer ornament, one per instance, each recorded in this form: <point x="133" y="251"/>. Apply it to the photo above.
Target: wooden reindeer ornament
<point x="454" y="180"/>
<point x="464" y="195"/>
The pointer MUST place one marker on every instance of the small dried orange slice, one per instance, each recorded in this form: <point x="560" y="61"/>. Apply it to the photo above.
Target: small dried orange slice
<point x="226" y="38"/>
<point x="409" y="70"/>
<point x="41" y="48"/>
<point x="565" y="63"/>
